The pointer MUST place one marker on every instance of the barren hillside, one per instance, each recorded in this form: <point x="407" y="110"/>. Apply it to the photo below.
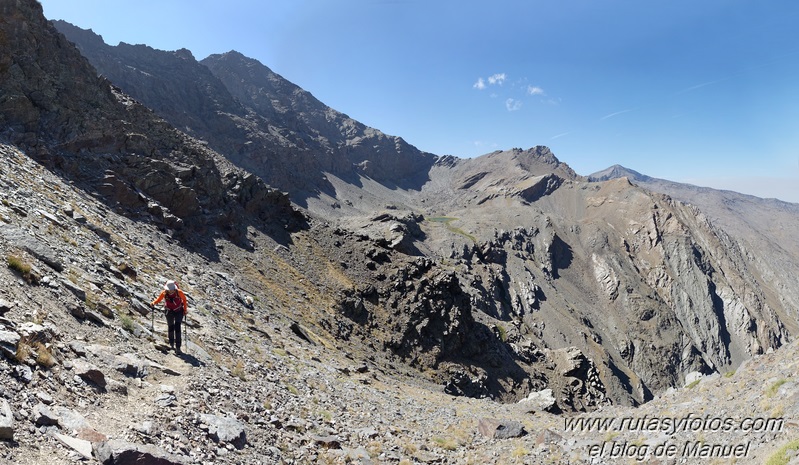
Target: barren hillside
<point x="393" y="307"/>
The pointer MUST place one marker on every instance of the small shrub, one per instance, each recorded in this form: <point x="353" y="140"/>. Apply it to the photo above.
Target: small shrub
<point x="503" y="333"/>
<point x="127" y="323"/>
<point x="25" y="269"/>
<point x="44" y="358"/>
<point x="693" y="384"/>
<point x="24" y="351"/>
<point x="238" y="371"/>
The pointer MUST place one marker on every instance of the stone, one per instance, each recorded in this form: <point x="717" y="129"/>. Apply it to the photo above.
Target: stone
<point x="118" y="452"/>
<point x="328" y="442"/>
<point x="81" y="446"/>
<point x="8" y="343"/>
<point x="500" y="429"/>
<point x="78" y="291"/>
<point x="540" y="401"/>
<point x="43" y="416"/>
<point x="6" y="420"/>
<point x="45" y="398"/>
<point x="131" y="366"/>
<point x="70" y="420"/>
<point x="5" y="307"/>
<point x="23" y="373"/>
<point x="225" y="429"/>
<point x="166" y="400"/>
<point x="89" y="372"/>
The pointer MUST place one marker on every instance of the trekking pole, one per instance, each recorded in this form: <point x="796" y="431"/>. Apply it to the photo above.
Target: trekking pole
<point x="187" y="333"/>
<point x="152" y="319"/>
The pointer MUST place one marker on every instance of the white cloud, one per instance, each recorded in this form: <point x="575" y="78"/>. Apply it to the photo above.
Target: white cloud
<point x="480" y="84"/>
<point x="614" y="114"/>
<point x="497" y="79"/>
<point x="535" y="90"/>
<point x="513" y="105"/>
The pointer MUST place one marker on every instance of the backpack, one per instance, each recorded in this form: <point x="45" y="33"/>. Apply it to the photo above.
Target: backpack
<point x="173" y="303"/>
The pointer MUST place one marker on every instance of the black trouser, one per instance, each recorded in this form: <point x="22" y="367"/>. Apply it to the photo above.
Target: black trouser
<point x="173" y="322"/>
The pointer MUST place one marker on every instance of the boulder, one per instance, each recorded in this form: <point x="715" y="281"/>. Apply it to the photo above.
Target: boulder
<point x="225" y="429"/>
<point x="6" y="420"/>
<point x="541" y="401"/>
<point x="43" y="416"/>
<point x="89" y="372"/>
<point x="118" y="452"/>
<point x="500" y="429"/>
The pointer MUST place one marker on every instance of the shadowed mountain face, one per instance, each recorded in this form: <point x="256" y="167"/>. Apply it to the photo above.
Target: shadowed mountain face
<point x="497" y="276"/>
<point x="259" y="120"/>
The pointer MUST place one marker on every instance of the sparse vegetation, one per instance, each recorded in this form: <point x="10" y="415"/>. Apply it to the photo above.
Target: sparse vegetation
<point x="520" y="452"/>
<point x="44" y="357"/>
<point x="127" y="323"/>
<point x="293" y="389"/>
<point x="21" y="266"/>
<point x="693" y="384"/>
<point x="447" y="222"/>
<point x="239" y="371"/>
<point x="772" y="390"/>
<point x="445" y="443"/>
<point x="24" y="351"/>
<point x="503" y="333"/>
<point x="783" y="454"/>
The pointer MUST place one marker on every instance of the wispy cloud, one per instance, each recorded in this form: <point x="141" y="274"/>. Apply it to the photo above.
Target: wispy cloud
<point x="497" y="79"/>
<point x="614" y="114"/>
<point x="559" y="135"/>
<point x="535" y="90"/>
<point x="513" y="104"/>
<point x="493" y="80"/>
<point x="699" y="86"/>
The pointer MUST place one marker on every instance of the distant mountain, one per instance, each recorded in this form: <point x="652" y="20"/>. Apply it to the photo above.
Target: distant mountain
<point x="615" y="172"/>
<point x="259" y="120"/>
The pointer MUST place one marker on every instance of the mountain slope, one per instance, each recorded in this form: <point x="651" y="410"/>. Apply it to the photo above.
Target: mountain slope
<point x="648" y="289"/>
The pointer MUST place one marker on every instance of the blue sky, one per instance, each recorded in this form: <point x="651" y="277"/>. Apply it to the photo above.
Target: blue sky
<point x="705" y="92"/>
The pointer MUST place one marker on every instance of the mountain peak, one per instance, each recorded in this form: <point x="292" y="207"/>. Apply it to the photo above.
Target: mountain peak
<point x="615" y="172"/>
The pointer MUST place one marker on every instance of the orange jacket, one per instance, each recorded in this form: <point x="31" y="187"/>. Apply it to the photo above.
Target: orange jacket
<point x="182" y="298"/>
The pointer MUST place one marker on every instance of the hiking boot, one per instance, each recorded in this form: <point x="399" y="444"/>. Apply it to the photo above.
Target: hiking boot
<point x="178" y="351"/>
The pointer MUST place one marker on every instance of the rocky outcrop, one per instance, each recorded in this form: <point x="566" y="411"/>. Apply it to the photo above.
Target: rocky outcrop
<point x="54" y="105"/>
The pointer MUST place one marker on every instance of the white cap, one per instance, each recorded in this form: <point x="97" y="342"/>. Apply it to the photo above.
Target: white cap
<point x="170" y="286"/>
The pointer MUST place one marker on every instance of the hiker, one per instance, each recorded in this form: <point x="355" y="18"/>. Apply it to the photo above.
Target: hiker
<point x="176" y="307"/>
